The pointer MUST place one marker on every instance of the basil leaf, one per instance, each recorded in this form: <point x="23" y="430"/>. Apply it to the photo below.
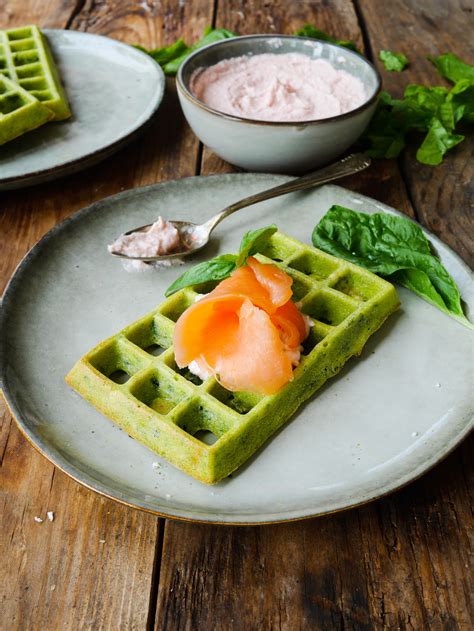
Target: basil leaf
<point x="462" y="98"/>
<point x="210" y="36"/>
<point x="165" y="54"/>
<point x="253" y="241"/>
<point x="393" y="247"/>
<point x="171" y="57"/>
<point x="437" y="142"/>
<point x="452" y="67"/>
<point x="216" y="269"/>
<point x="314" y="33"/>
<point x="393" y="62"/>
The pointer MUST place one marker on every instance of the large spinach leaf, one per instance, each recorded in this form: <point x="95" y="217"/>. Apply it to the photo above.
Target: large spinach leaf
<point x="393" y="247"/>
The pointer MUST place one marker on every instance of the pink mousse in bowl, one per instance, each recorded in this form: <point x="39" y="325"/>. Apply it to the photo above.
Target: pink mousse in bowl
<point x="277" y="103"/>
<point x="290" y="87"/>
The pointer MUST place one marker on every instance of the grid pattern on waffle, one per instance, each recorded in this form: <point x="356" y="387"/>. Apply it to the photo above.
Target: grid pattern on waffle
<point x="139" y="363"/>
<point x="19" y="110"/>
<point x="26" y="59"/>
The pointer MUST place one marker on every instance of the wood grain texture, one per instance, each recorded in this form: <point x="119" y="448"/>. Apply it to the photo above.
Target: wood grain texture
<point x="443" y="197"/>
<point x="58" y="575"/>
<point x="399" y="563"/>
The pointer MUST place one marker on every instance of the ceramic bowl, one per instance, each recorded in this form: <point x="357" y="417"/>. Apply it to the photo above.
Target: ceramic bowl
<point x="279" y="147"/>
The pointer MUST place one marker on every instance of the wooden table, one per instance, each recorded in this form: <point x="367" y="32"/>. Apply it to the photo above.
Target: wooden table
<point x="402" y="562"/>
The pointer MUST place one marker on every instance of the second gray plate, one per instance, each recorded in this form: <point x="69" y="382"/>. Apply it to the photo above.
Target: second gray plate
<point x="113" y="90"/>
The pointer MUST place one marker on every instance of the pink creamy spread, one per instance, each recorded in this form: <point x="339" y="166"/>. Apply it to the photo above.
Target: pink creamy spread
<point x="161" y="238"/>
<point x="285" y="88"/>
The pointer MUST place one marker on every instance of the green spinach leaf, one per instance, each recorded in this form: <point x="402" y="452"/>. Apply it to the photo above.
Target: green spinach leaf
<point x="393" y="62"/>
<point x="216" y="269"/>
<point x="222" y="266"/>
<point x="452" y="67"/>
<point x="436" y="143"/>
<point x="171" y="57"/>
<point x="393" y="247"/>
<point x="314" y="33"/>
<point x="253" y="241"/>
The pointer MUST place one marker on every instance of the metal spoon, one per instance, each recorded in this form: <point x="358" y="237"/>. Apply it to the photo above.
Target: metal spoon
<point x="196" y="236"/>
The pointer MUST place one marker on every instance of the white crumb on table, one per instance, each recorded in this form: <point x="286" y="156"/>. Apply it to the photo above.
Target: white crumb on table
<point x="50" y="515"/>
<point x="101" y="540"/>
<point x="38" y="520"/>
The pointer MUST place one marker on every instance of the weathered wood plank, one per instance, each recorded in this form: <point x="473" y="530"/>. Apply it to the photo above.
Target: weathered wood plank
<point x="442" y="195"/>
<point x="399" y="563"/>
<point x="59" y="575"/>
<point x="89" y="568"/>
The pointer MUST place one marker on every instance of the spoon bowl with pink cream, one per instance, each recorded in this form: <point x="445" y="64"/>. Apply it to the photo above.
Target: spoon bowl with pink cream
<point x="277" y="103"/>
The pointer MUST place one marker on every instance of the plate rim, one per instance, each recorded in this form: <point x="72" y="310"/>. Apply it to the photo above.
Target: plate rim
<point x="93" y="157"/>
<point x="191" y="515"/>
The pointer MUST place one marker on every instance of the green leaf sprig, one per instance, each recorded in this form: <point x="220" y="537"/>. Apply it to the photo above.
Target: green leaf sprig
<point x="393" y="62"/>
<point x="392" y="247"/>
<point x="314" y="33"/>
<point x="436" y="111"/>
<point x="171" y="57"/>
<point x="222" y="266"/>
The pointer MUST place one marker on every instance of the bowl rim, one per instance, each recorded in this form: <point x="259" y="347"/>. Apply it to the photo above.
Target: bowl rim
<point x="186" y="92"/>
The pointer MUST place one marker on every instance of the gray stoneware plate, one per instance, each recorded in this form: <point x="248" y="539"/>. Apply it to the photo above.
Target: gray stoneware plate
<point x="384" y="420"/>
<point x="113" y="90"/>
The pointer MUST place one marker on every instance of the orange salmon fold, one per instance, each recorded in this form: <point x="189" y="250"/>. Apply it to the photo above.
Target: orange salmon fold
<point x="247" y="332"/>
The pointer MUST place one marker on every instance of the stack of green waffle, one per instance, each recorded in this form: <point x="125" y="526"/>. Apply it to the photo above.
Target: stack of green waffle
<point x="30" y="88"/>
<point x="133" y="378"/>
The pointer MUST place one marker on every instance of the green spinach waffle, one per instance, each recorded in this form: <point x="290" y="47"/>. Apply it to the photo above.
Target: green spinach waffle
<point x="19" y="111"/>
<point x="25" y="58"/>
<point x="168" y="409"/>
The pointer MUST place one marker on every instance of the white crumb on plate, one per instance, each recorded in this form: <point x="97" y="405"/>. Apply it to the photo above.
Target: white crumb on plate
<point x="156" y="465"/>
<point x="50" y="515"/>
<point x="134" y="267"/>
<point x="438" y="385"/>
<point x="415" y="434"/>
<point x="168" y="496"/>
<point x="38" y="520"/>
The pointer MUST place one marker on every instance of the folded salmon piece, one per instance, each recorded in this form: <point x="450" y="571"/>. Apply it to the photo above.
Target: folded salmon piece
<point x="246" y="332"/>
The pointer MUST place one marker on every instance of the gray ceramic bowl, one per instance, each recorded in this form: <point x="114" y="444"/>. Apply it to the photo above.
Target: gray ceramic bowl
<point x="280" y="147"/>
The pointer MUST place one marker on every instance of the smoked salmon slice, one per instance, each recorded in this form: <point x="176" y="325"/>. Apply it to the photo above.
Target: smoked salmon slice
<point x="247" y="332"/>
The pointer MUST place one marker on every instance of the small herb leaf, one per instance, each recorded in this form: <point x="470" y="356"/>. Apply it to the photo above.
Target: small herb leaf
<point x="393" y="62"/>
<point x="253" y="241"/>
<point x="216" y="269"/>
<point x="314" y="33"/>
<point x="453" y="68"/>
<point x="436" y="143"/>
<point x="171" y="57"/>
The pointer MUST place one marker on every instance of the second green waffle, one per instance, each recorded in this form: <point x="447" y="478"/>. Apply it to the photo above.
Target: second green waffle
<point x="133" y="379"/>
<point x="26" y="59"/>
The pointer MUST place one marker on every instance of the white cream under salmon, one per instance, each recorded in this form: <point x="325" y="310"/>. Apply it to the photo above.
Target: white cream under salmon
<point x="247" y="332"/>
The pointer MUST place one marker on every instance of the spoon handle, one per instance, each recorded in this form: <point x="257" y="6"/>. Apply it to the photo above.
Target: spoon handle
<point x="347" y="166"/>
